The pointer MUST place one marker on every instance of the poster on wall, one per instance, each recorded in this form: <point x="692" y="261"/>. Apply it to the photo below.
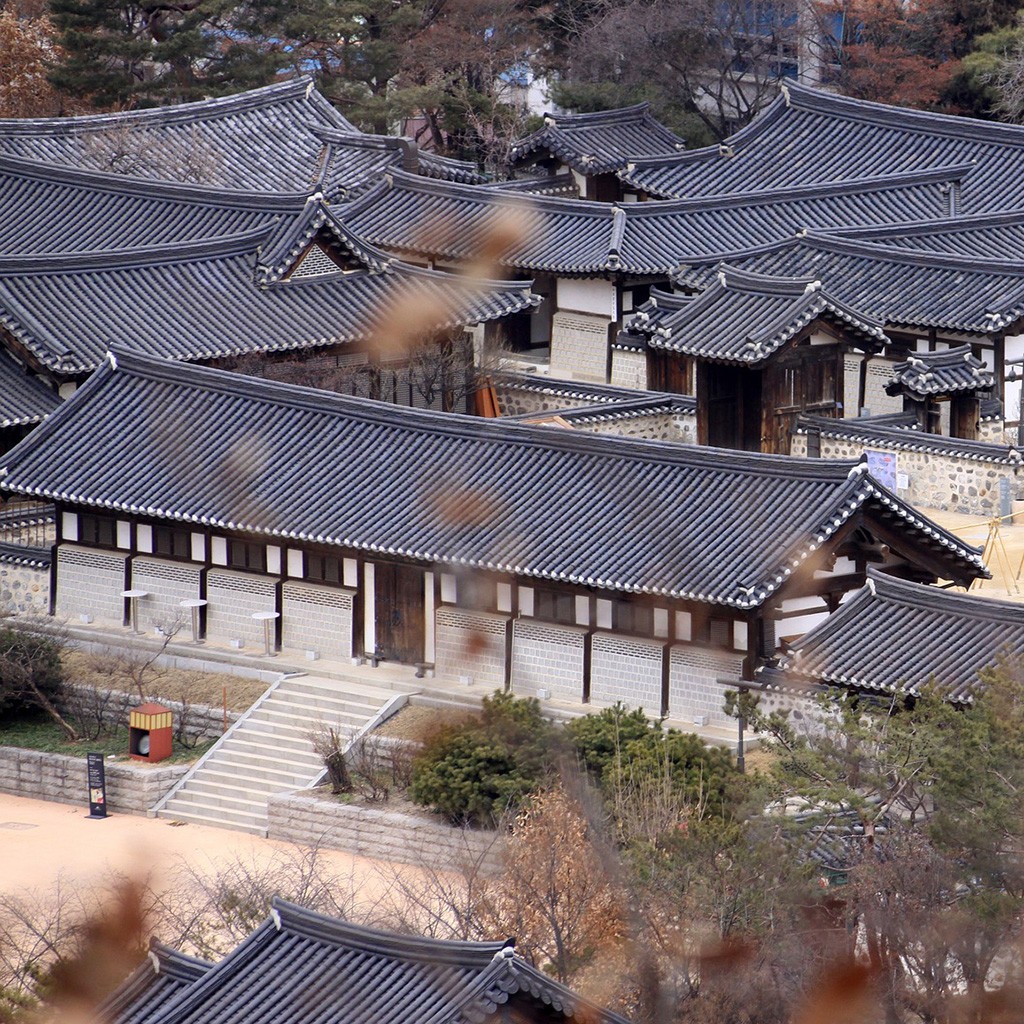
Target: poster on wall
<point x="882" y="466"/>
<point x="97" y="786"/>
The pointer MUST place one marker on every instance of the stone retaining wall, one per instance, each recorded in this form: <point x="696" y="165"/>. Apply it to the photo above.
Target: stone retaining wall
<point x="24" y="589"/>
<point x="311" y="819"/>
<point x="954" y="483"/>
<point x="131" y="788"/>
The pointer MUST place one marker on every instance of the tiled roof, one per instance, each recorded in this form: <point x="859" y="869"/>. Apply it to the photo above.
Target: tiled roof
<point x="941" y="373"/>
<point x="21" y="554"/>
<point x="164" y="974"/>
<point x="24" y="399"/>
<point x="583" y="392"/>
<point x="263" y="140"/>
<point x="46" y="208"/>
<point x="807" y="135"/>
<point x="745" y="318"/>
<point x="599" y="142"/>
<point x="549" y="233"/>
<point x="639" y="516"/>
<point x="643" y="404"/>
<point x="324" y="969"/>
<point x="876" y="432"/>
<point x="893" y="635"/>
<point x="896" y="286"/>
<point x="986" y="235"/>
<point x="541" y="185"/>
<point x="201" y="301"/>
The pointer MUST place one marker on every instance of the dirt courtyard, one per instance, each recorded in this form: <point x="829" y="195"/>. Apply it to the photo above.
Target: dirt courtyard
<point x="41" y="841"/>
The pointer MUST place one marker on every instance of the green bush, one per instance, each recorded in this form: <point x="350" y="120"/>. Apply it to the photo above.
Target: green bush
<point x="475" y="770"/>
<point x="599" y="738"/>
<point x="30" y="672"/>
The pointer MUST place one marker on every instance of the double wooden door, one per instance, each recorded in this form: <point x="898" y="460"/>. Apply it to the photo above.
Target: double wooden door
<point x="400" y="612"/>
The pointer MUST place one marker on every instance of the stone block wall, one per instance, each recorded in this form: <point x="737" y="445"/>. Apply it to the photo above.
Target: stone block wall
<point x="579" y="346"/>
<point x="234" y="597"/>
<point x="168" y="584"/>
<point x="629" y="369"/>
<point x="90" y="583"/>
<point x="626" y="669"/>
<point x="955" y="483"/>
<point x="24" y="590"/>
<point x="131" y="788"/>
<point x="880" y="373"/>
<point x="470" y="643"/>
<point x="317" y="618"/>
<point x="311" y="819"/>
<point x="680" y="427"/>
<point x="547" y="657"/>
<point x="693" y="690"/>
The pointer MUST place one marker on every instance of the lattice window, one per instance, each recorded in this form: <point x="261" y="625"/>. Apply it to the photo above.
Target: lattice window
<point x="240" y="584"/>
<point x="324" y="597"/>
<point x="473" y="623"/>
<point x="548" y="636"/>
<point x="315" y="263"/>
<point x="162" y="571"/>
<point x="107" y="562"/>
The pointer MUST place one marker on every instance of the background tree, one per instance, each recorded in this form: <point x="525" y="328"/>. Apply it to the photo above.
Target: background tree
<point x="27" y="51"/>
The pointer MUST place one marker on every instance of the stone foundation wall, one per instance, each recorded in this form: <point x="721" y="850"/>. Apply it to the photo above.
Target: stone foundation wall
<point x="317" y="618"/>
<point x="234" y="597"/>
<point x="955" y="483"/>
<point x="131" y="788"/>
<point x="549" y="657"/>
<point x="626" y="669"/>
<point x="693" y="690"/>
<point x="90" y="583"/>
<point x="470" y="643"/>
<point x="24" y="590"/>
<point x="662" y="426"/>
<point x="310" y="819"/>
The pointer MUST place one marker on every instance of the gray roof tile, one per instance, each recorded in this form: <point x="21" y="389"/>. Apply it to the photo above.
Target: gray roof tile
<point x="807" y="135"/>
<point x="896" y="636"/>
<point x="639" y="516"/>
<point x="24" y="399"/>
<point x="941" y="373"/>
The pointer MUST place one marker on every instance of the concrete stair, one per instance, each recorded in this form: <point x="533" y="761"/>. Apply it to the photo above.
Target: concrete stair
<point x="269" y="750"/>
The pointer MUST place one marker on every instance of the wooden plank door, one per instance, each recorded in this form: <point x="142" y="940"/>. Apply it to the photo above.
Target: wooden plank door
<point x="400" y="611"/>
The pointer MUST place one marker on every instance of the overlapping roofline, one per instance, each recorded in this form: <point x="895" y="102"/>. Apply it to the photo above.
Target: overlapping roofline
<point x="183" y="113"/>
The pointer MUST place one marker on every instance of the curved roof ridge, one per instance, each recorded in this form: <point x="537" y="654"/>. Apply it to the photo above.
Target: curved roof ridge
<point x="146" y="255"/>
<point x="630" y="112"/>
<point x="849" y="186"/>
<point x="896" y="254"/>
<point x="110" y="181"/>
<point x="292" y="917"/>
<point x="774" y="284"/>
<point x="213" y="107"/>
<point x="932" y="225"/>
<point x="922" y="595"/>
<point x="807" y="97"/>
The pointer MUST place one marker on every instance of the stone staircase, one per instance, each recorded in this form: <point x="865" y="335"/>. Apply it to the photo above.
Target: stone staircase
<point x="268" y="750"/>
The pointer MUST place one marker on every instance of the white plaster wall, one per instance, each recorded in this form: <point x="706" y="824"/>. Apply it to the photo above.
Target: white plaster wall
<point x="547" y="657"/>
<point x="587" y="295"/>
<point x="317" y="618"/>
<point x="470" y="643"/>
<point x="627" y="669"/>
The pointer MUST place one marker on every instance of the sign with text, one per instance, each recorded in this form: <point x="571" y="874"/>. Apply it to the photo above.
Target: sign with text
<point x="882" y="466"/>
<point x="97" y="786"/>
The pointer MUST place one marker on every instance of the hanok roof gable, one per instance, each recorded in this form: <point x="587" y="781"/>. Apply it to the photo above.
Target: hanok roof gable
<point x="201" y="301"/>
<point x="598" y="142"/>
<point x="940" y="373"/>
<point x="164" y="974"/>
<point x="570" y="236"/>
<point x="222" y="134"/>
<point x="809" y="135"/>
<point x="612" y="513"/>
<point x="746" y="318"/>
<point x="894" y="285"/>
<point x="897" y="636"/>
<point x="323" y="968"/>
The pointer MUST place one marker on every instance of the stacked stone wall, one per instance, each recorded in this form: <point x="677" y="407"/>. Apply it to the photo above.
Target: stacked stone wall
<point x="233" y="599"/>
<point x="626" y="669"/>
<point x="167" y="585"/>
<point x="579" y="346"/>
<point x="680" y="427"/>
<point x="954" y="483"/>
<point x="470" y="643"/>
<point x="629" y="369"/>
<point x="313" y="819"/>
<point x="90" y="583"/>
<point x="131" y="788"/>
<point x="548" y="657"/>
<point x="24" y="590"/>
<point x="317" y="618"/>
<point x="693" y="690"/>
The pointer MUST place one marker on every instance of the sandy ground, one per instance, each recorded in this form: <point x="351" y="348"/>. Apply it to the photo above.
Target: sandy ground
<point x="1005" y="558"/>
<point x="41" y="841"/>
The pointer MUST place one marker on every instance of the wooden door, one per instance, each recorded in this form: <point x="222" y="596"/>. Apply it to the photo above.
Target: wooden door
<point x="400" y="611"/>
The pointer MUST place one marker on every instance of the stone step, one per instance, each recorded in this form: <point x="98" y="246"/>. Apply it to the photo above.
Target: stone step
<point x="357" y="693"/>
<point x="228" y="799"/>
<point x="196" y="804"/>
<point x="261" y="766"/>
<point x="266" y="745"/>
<point x="228" y="786"/>
<point x="314" y="708"/>
<point x="256" y="827"/>
<point x="304" y="720"/>
<point x="263" y="778"/>
<point x="274" y="728"/>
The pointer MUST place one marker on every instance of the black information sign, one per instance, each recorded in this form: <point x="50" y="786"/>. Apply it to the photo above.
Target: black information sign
<point x="97" y="786"/>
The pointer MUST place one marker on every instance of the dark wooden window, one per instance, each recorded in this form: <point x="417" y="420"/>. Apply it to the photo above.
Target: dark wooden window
<point x="246" y="555"/>
<point x="100" y="531"/>
<point x="554" y="606"/>
<point x="323" y="568"/>
<point x="633" y="617"/>
<point x="172" y="542"/>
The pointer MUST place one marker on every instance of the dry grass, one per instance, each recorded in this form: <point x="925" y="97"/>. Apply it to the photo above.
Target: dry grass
<point x="184" y="685"/>
<point x="414" y="723"/>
